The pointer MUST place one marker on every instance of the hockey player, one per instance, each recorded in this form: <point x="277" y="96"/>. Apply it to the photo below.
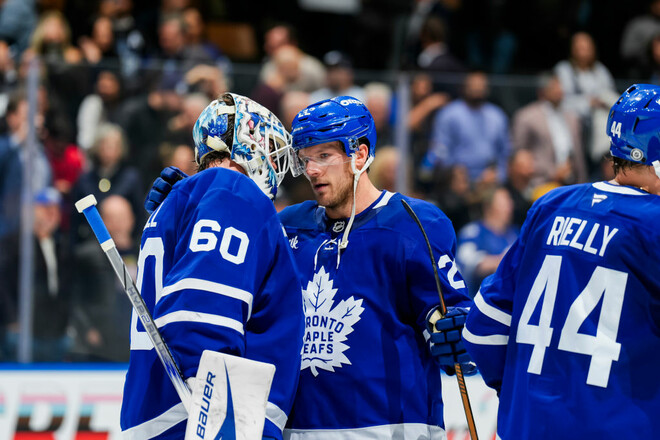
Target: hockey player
<point x="568" y="328"/>
<point x="216" y="271"/>
<point x="367" y="364"/>
<point x="368" y="288"/>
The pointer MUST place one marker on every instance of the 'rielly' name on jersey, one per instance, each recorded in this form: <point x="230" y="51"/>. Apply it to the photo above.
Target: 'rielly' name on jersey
<point x="590" y="237"/>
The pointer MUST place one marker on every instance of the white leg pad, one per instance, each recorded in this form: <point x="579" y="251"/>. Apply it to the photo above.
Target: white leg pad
<point x="229" y="394"/>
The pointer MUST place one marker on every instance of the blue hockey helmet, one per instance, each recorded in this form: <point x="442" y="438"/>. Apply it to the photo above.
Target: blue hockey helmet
<point x="343" y="118"/>
<point x="633" y="125"/>
<point x="260" y="143"/>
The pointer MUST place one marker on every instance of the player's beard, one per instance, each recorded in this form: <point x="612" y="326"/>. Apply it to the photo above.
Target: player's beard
<point x="340" y="197"/>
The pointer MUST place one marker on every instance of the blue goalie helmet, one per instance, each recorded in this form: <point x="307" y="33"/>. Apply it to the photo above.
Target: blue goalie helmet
<point x="259" y="142"/>
<point x="343" y="118"/>
<point x="633" y="126"/>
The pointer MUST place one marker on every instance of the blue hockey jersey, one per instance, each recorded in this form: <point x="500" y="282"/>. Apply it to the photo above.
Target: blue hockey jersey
<point x="568" y="326"/>
<point x="217" y="273"/>
<point x="366" y="367"/>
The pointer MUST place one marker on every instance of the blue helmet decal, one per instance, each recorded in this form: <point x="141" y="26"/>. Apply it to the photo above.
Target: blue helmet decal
<point x="633" y="125"/>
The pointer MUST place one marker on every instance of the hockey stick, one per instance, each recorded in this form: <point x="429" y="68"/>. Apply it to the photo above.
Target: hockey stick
<point x="443" y="311"/>
<point x="87" y="206"/>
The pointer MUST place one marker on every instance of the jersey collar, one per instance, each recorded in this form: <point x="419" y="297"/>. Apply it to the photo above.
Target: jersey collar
<point x="337" y="225"/>
<point x="619" y="189"/>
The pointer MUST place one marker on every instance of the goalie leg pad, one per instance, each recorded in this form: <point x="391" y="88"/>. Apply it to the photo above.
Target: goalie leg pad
<point x="229" y="398"/>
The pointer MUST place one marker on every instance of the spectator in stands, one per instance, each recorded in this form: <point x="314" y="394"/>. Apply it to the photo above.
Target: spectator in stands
<point x="636" y="38"/>
<point x="435" y="56"/>
<point x="340" y="78"/>
<point x="285" y="77"/>
<point x="444" y="10"/>
<point x="51" y="282"/>
<point x="473" y="132"/>
<point x="378" y="99"/>
<point x="143" y="119"/>
<point x="209" y="80"/>
<point x="181" y="156"/>
<point x="99" y="107"/>
<point x="293" y="102"/>
<point x="552" y="134"/>
<point x="589" y="91"/>
<point x="518" y="182"/>
<point x="66" y="159"/>
<point x="67" y="78"/>
<point x="454" y="195"/>
<point x="18" y="19"/>
<point x="385" y="167"/>
<point x="109" y="175"/>
<point x="175" y="57"/>
<point x="425" y="102"/>
<point x="482" y="243"/>
<point x="99" y="48"/>
<point x="101" y="310"/>
<point x="195" y="36"/>
<point x="52" y="40"/>
<point x="8" y="79"/>
<point x="180" y="127"/>
<point x="12" y="158"/>
<point x="312" y="72"/>
<point x="131" y="41"/>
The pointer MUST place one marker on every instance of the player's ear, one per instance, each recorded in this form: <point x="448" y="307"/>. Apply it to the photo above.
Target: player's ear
<point x="362" y="154"/>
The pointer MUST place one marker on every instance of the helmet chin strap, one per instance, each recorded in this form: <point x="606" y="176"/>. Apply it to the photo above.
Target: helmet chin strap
<point x="343" y="244"/>
<point x="656" y="167"/>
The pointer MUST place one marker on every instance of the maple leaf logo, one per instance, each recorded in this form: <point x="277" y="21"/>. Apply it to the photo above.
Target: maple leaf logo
<point x="326" y="328"/>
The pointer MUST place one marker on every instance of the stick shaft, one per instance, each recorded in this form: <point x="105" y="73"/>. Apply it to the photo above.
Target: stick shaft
<point x="162" y="350"/>
<point x="443" y="310"/>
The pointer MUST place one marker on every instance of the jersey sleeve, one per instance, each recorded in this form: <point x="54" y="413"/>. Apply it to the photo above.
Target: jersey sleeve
<point x="420" y="273"/>
<point x="233" y="288"/>
<point x="487" y="329"/>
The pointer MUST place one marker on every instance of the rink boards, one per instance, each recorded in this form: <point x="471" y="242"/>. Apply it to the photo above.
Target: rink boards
<point x="82" y="402"/>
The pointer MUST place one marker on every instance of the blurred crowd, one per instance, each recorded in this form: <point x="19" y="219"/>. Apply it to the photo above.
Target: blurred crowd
<point x="118" y="96"/>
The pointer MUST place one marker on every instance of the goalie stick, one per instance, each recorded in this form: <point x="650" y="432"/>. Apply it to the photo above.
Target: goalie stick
<point x="443" y="311"/>
<point x="211" y="415"/>
<point x="87" y="206"/>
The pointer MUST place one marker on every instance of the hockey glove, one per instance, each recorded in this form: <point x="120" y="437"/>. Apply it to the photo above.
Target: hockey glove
<point x="162" y="187"/>
<point x="445" y="341"/>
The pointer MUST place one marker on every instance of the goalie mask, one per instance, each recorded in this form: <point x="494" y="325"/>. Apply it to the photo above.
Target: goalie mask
<point x="252" y="135"/>
<point x="633" y="126"/>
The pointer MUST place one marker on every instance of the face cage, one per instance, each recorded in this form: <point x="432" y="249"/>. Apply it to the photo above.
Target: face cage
<point x="253" y="157"/>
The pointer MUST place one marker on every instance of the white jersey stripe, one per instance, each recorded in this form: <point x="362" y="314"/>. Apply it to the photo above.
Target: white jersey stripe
<point x="485" y="340"/>
<point x="608" y="187"/>
<point x="401" y="431"/>
<point x="206" y="318"/>
<point x="276" y="415"/>
<point x="210" y="286"/>
<point x="157" y="425"/>
<point x="490" y="311"/>
<point x="384" y="201"/>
